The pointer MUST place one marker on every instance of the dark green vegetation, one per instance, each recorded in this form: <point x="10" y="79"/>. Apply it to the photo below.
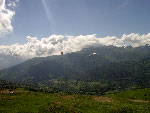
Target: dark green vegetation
<point x="110" y="70"/>
<point x="22" y="101"/>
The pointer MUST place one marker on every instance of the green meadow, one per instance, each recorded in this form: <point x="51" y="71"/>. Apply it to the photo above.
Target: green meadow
<point x="22" y="101"/>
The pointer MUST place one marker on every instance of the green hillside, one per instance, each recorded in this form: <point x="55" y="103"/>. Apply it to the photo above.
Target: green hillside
<point x="111" y="69"/>
<point x="142" y="94"/>
<point x="22" y="101"/>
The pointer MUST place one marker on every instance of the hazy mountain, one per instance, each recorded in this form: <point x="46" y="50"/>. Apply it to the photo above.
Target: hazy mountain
<point x="8" y="61"/>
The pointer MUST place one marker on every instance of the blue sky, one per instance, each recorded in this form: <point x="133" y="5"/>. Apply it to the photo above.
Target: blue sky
<point x="42" y="18"/>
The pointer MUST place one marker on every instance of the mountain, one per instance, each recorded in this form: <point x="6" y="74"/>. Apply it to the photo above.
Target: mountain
<point x="98" y="69"/>
<point x="9" y="61"/>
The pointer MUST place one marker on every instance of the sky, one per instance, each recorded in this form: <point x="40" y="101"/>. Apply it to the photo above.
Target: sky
<point x="42" y="18"/>
<point x="39" y="28"/>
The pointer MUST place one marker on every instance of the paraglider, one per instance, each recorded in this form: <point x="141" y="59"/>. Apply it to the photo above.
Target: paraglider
<point x="91" y="55"/>
<point x="62" y="53"/>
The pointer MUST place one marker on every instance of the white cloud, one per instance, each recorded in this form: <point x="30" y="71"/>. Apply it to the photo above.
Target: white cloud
<point x="54" y="44"/>
<point x="6" y="16"/>
<point x="11" y="4"/>
<point x="136" y="40"/>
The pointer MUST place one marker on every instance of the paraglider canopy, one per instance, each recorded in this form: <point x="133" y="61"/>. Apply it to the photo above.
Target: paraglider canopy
<point x="62" y="53"/>
<point x="92" y="54"/>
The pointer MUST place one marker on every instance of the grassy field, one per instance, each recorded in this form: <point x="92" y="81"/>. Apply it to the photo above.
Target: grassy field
<point x="21" y="101"/>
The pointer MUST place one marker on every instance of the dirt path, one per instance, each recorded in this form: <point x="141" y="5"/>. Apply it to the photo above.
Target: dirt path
<point x="134" y="100"/>
<point x="103" y="99"/>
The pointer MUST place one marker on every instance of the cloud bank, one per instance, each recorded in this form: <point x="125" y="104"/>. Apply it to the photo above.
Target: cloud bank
<point x="54" y="44"/>
<point x="6" y="15"/>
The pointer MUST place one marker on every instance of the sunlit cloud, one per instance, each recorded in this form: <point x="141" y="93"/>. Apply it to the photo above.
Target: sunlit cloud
<point x="54" y="44"/>
<point x="6" y="16"/>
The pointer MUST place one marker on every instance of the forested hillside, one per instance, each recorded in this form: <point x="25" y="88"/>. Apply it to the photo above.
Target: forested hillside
<point x="90" y="71"/>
